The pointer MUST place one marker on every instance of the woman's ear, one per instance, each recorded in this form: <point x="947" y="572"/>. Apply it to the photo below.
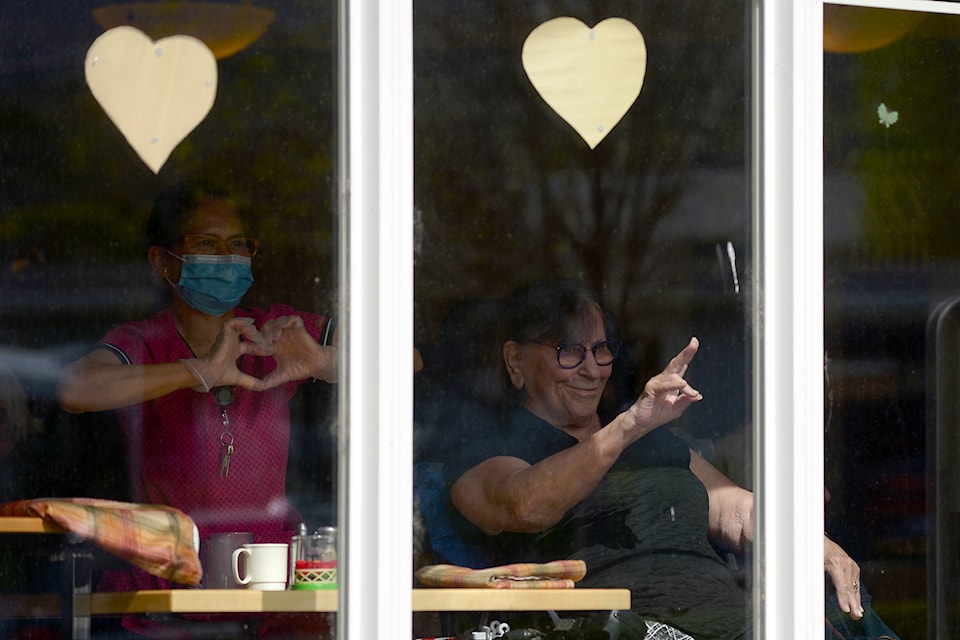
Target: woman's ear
<point x="158" y="258"/>
<point x="513" y="358"/>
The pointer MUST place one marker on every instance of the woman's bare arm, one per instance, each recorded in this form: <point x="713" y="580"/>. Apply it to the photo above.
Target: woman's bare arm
<point x="99" y="381"/>
<point x="509" y="494"/>
<point x="731" y="506"/>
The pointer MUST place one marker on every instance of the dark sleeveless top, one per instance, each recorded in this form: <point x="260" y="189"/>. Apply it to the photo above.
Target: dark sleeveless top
<point x="643" y="527"/>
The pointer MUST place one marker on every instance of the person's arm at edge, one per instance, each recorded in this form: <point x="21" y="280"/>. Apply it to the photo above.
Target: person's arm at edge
<point x="731" y="506"/>
<point x="731" y="526"/>
<point x="99" y="381"/>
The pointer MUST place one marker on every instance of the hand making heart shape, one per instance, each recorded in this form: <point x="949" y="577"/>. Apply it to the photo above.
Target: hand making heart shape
<point x="297" y="354"/>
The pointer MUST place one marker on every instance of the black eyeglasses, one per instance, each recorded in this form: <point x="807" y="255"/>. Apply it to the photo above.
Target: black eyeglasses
<point x="569" y="356"/>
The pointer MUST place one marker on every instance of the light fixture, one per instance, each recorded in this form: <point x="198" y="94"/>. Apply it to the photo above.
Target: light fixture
<point x="224" y="27"/>
<point x="850" y="29"/>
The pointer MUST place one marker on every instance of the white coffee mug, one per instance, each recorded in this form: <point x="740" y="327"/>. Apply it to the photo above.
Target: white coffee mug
<point x="265" y="567"/>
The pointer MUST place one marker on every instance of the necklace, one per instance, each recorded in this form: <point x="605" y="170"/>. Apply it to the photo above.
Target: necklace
<point x="224" y="396"/>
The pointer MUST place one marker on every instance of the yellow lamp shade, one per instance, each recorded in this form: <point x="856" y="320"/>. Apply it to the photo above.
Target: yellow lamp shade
<point x="225" y="28"/>
<point x="848" y="29"/>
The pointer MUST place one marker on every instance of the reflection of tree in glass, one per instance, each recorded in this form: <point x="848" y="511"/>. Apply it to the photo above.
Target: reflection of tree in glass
<point x="509" y="191"/>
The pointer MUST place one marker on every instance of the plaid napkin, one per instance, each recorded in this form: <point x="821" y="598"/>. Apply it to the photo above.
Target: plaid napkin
<point x="159" y="539"/>
<point x="558" y="574"/>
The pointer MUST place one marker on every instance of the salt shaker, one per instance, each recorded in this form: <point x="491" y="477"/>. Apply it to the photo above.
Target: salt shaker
<point x="295" y="542"/>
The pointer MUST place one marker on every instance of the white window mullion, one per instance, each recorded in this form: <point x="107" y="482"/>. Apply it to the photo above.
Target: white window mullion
<point x="376" y="432"/>
<point x="790" y="590"/>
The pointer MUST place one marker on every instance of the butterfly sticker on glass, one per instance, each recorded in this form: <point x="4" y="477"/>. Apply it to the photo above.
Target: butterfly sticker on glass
<point x="887" y="117"/>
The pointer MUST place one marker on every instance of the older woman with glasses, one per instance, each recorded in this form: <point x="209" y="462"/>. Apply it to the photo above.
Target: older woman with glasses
<point x="201" y="390"/>
<point x="547" y="479"/>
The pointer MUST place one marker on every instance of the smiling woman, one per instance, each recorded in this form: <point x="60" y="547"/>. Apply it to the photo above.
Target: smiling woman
<point x="545" y="477"/>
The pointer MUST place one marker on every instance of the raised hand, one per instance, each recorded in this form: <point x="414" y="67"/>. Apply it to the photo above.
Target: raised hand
<point x="218" y="367"/>
<point x="666" y="395"/>
<point x="297" y="353"/>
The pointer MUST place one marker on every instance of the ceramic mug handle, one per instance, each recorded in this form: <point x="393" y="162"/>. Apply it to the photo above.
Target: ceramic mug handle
<point x="236" y="565"/>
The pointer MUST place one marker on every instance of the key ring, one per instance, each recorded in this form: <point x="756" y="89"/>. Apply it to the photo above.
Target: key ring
<point x="227" y="439"/>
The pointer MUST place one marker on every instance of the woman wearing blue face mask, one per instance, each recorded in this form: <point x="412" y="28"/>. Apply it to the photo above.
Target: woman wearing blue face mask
<point x="201" y="389"/>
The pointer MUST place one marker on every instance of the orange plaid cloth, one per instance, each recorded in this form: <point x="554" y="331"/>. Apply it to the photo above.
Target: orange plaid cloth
<point x="157" y="538"/>
<point x="558" y="574"/>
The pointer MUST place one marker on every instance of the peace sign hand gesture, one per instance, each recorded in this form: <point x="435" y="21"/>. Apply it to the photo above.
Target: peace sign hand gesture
<point x="665" y="396"/>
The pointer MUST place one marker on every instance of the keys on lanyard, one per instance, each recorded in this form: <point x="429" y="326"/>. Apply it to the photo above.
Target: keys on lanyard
<point x="223" y="397"/>
<point x="226" y="440"/>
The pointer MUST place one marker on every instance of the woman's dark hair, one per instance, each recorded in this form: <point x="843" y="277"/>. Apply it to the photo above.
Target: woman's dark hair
<point x="551" y="311"/>
<point x="174" y="206"/>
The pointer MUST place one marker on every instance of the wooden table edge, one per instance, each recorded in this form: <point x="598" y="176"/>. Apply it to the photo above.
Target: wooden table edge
<point x="213" y="601"/>
<point x="520" y="599"/>
<point x="28" y="524"/>
<point x="244" y="601"/>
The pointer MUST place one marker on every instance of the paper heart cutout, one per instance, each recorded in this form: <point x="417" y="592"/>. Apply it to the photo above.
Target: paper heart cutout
<point x="590" y="77"/>
<point x="156" y="93"/>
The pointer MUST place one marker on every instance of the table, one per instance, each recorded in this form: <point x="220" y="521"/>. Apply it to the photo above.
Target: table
<point x="75" y="603"/>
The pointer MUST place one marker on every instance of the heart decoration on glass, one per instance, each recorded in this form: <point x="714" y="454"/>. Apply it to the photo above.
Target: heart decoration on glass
<point x="589" y="76"/>
<point x="156" y="93"/>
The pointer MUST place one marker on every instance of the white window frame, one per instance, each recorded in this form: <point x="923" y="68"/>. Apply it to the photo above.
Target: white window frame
<point x="788" y="459"/>
<point x="789" y="575"/>
<point x="376" y="398"/>
<point x="376" y="421"/>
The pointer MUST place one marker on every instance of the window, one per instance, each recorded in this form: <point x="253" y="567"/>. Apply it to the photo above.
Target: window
<point x="889" y="282"/>
<point x="345" y="127"/>
<point x="74" y="255"/>
<point x="510" y="185"/>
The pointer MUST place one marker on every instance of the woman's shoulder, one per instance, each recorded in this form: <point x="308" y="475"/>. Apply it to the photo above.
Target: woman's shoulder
<point x="158" y="325"/>
<point x="515" y="431"/>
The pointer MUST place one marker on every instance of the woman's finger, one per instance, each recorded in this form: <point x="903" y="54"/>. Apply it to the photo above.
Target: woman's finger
<point x="255" y="342"/>
<point x="848" y="597"/>
<point x="682" y="360"/>
<point x="249" y="382"/>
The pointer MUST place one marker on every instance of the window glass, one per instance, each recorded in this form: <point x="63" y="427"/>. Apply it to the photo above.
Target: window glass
<point x="890" y="276"/>
<point x="654" y="218"/>
<point x="74" y="204"/>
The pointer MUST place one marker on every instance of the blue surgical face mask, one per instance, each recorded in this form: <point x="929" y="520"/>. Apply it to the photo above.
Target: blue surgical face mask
<point x="213" y="284"/>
